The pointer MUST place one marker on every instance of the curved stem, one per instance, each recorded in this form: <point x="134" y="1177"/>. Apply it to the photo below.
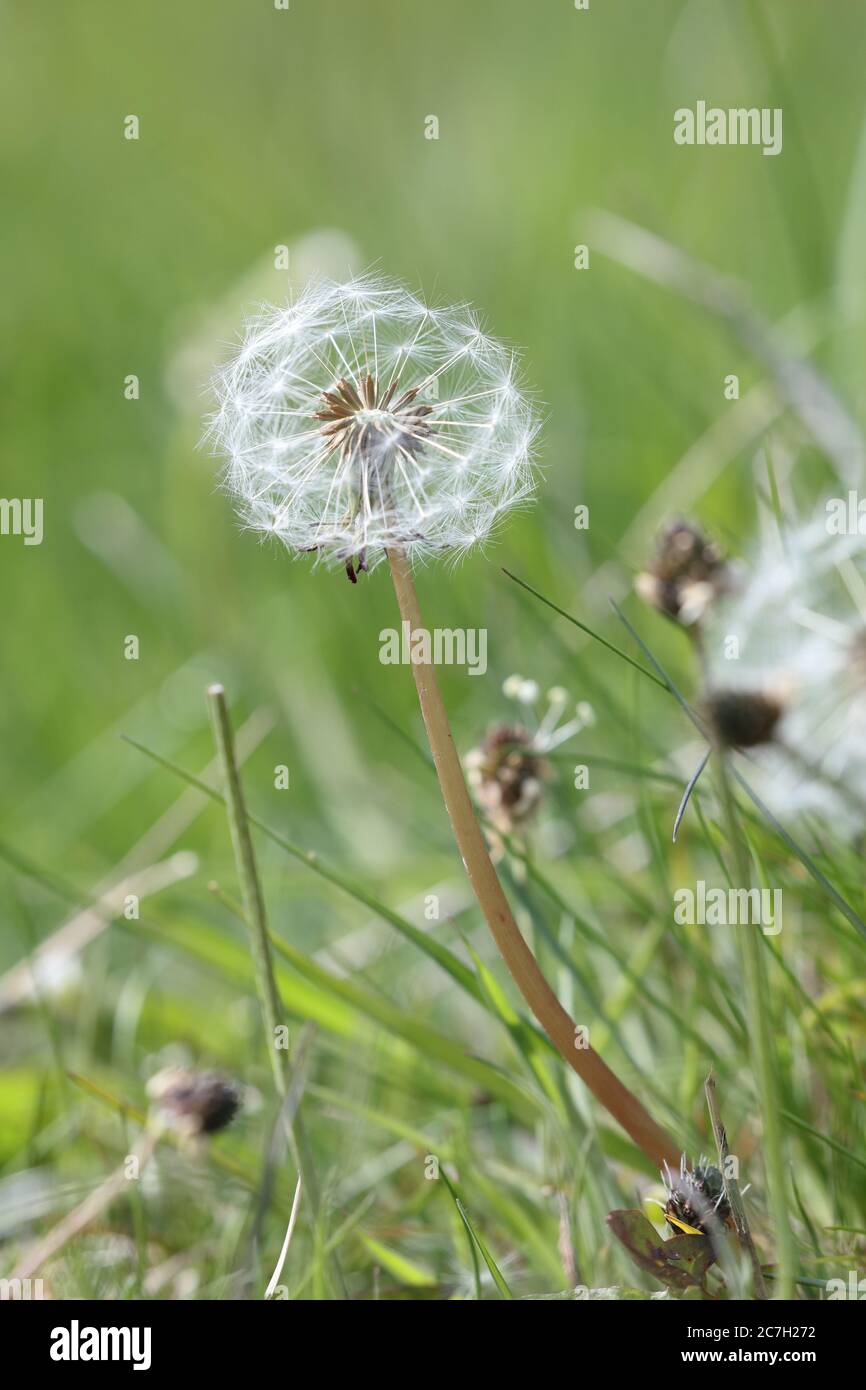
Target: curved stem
<point x="616" y="1098"/>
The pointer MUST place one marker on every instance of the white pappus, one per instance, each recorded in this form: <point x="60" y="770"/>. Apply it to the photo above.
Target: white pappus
<point x="359" y="419"/>
<point x="794" y="634"/>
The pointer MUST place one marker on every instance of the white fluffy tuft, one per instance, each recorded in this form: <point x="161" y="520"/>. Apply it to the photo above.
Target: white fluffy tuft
<point x="431" y="487"/>
<point x="799" y="624"/>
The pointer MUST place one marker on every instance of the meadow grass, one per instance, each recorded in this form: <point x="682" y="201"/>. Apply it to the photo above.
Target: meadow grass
<point x="423" y="1061"/>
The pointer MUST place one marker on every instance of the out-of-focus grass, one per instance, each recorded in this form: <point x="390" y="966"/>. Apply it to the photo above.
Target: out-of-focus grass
<point x="261" y="128"/>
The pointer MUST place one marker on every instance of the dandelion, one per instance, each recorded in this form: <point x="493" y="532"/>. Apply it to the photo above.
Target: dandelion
<point x="360" y="424"/>
<point x="359" y="419"/>
<point x="785" y="678"/>
<point x="784" y="683"/>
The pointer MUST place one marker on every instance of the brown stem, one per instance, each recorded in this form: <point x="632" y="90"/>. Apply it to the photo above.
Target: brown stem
<point x="616" y="1098"/>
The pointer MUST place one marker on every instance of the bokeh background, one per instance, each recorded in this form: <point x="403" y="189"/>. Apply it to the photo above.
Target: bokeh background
<point x="305" y="128"/>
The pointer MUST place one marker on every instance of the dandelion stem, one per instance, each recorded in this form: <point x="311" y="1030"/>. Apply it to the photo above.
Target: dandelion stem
<point x="616" y="1098"/>
<point x="763" y="1055"/>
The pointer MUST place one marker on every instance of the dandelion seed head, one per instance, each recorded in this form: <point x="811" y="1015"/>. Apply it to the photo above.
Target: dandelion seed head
<point x="360" y="419"/>
<point x="784" y="671"/>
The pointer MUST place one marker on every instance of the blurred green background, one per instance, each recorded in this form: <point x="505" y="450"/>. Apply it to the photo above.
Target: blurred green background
<point x="306" y="128"/>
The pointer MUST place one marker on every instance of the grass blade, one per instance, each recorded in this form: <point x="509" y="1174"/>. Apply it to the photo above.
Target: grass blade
<point x="475" y="1240"/>
<point x="583" y="628"/>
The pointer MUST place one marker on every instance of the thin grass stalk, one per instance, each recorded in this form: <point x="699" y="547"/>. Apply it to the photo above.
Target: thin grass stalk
<point x="260" y="947"/>
<point x="616" y="1098"/>
<point x="732" y="1188"/>
<point x="763" y="1052"/>
<point x="251" y="891"/>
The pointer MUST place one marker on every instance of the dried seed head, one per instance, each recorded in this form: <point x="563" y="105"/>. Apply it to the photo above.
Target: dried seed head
<point x="743" y="718"/>
<point x="694" y="1197"/>
<point x="193" y="1103"/>
<point x="508" y="770"/>
<point x="359" y="418"/>
<point x="686" y="575"/>
<point x="507" y="775"/>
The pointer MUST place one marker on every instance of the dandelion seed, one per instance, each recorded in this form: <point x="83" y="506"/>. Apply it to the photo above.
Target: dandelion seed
<point x="359" y="420"/>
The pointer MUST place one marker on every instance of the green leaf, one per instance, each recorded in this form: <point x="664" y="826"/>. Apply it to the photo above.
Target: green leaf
<point x="680" y="1263"/>
<point x="402" y="1268"/>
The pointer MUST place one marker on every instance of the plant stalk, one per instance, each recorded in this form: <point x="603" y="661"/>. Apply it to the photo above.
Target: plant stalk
<point x="616" y="1098"/>
<point x="763" y="1054"/>
<point x="256" y="919"/>
<point x="732" y="1188"/>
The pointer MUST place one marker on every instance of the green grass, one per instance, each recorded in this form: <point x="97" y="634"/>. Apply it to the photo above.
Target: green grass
<point x="261" y="128"/>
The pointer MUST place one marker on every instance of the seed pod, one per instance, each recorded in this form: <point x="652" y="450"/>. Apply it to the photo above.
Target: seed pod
<point x="507" y="775"/>
<point x="687" y="574"/>
<point x="743" y="718"/>
<point x="193" y="1103"/>
<point x="694" y="1197"/>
